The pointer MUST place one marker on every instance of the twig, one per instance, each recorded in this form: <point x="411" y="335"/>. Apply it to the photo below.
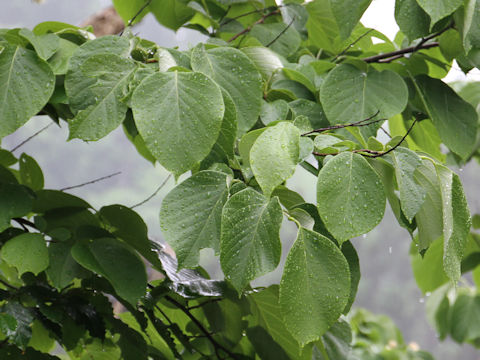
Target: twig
<point x="31" y="137"/>
<point x="385" y="132"/>
<point x="91" y="182"/>
<point x="204" y="303"/>
<point x="147" y="3"/>
<point x="24" y="222"/>
<point x="8" y="285"/>
<point x="281" y="32"/>
<point x="350" y="45"/>
<point x="246" y="14"/>
<point x="259" y="21"/>
<point x="341" y="126"/>
<point x="154" y="193"/>
<point x="215" y="344"/>
<point x="374" y="153"/>
<point x="387" y="57"/>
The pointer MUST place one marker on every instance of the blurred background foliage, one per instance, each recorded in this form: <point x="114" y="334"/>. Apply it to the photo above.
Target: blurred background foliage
<point x="387" y="285"/>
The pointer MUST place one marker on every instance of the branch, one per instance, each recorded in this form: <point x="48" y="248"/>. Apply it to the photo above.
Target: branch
<point x="215" y="344"/>
<point x="31" y="137"/>
<point x="353" y="43"/>
<point x="374" y="153"/>
<point x="91" y="182"/>
<point x="355" y="124"/>
<point x="247" y="13"/>
<point x="259" y="21"/>
<point x="147" y="3"/>
<point x="281" y="32"/>
<point x="154" y="193"/>
<point x="387" y="57"/>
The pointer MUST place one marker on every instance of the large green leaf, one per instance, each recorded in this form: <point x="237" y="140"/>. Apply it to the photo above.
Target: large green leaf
<point x="250" y="241"/>
<point x="171" y="13"/>
<point x="127" y="9"/>
<point x="234" y="71"/>
<point x="465" y="317"/>
<point x="323" y="30"/>
<point x="337" y="341"/>
<point x="412" y="19"/>
<point x="115" y="261"/>
<point x="199" y="200"/>
<point x="274" y="155"/>
<point x="62" y="268"/>
<point x="347" y="13"/>
<point x="438" y="9"/>
<point x="26" y="252"/>
<point x="454" y="118"/>
<point x="429" y="218"/>
<point x="97" y="89"/>
<point x="45" y="45"/>
<point x="27" y="84"/>
<point x="350" y="196"/>
<point x="315" y="286"/>
<point x="179" y="115"/>
<point x="471" y="25"/>
<point x="266" y="61"/>
<point x="284" y="45"/>
<point x="456" y="221"/>
<point x="348" y="94"/>
<point x="412" y="194"/>
<point x="16" y="201"/>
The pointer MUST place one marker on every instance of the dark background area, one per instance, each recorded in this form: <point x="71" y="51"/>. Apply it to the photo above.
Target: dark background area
<point x="387" y="285"/>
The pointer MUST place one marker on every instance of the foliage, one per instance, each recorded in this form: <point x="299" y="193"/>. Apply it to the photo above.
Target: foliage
<point x="274" y="89"/>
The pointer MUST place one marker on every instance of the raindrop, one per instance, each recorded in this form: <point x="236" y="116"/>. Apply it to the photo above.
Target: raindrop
<point x="389" y="249"/>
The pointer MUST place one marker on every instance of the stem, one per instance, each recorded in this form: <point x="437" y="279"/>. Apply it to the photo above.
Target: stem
<point x="154" y="193"/>
<point x="353" y="43"/>
<point x="187" y="312"/>
<point x="31" y="137"/>
<point x="281" y="33"/>
<point x="390" y="56"/>
<point x="91" y="182"/>
<point x="259" y="21"/>
<point x="130" y="22"/>
<point x="355" y="124"/>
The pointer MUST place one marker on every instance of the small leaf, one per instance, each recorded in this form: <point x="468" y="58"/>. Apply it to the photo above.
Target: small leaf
<point x="470" y="25"/>
<point x="465" y="318"/>
<point x="412" y="19"/>
<point x="115" y="261"/>
<point x="315" y="286"/>
<point x="45" y="45"/>
<point x="266" y="61"/>
<point x="27" y="252"/>
<point x="274" y="155"/>
<point x="30" y="173"/>
<point x="16" y="202"/>
<point x="268" y="35"/>
<point x="347" y="14"/>
<point x="250" y="241"/>
<point x="438" y="9"/>
<point x="273" y="111"/>
<point x="350" y="196"/>
<point x="200" y="200"/>
<point x="63" y="268"/>
<point x="179" y="115"/>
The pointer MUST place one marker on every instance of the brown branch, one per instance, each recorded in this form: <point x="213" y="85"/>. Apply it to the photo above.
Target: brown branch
<point x="350" y="45"/>
<point x="147" y="3"/>
<point x="341" y="126"/>
<point x="247" y="13"/>
<point x="91" y="182"/>
<point x="387" y="57"/>
<point x="249" y="28"/>
<point x="31" y="137"/>
<point x="374" y="153"/>
<point x="154" y="193"/>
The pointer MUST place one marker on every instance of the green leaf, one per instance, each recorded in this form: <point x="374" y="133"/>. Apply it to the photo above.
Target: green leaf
<point x="470" y="25"/>
<point x="59" y="61"/>
<point x="250" y="241"/>
<point x="200" y="200"/>
<point x="97" y="89"/>
<point x="323" y="30"/>
<point x="171" y="13"/>
<point x="62" y="268"/>
<point x="30" y="173"/>
<point x="312" y="110"/>
<point x="44" y="45"/>
<point x="266" y="61"/>
<point x="287" y="197"/>
<point x="27" y="252"/>
<point x="412" y="194"/>
<point x="456" y="221"/>
<point x="429" y="218"/>
<point x="465" y="317"/>
<point x="337" y="341"/>
<point x="223" y="149"/>
<point x="348" y="94"/>
<point x="412" y="19"/>
<point x="232" y="70"/>
<point x="350" y="196"/>
<point x="273" y="111"/>
<point x="16" y="202"/>
<point x="24" y="317"/>
<point x="315" y="286"/>
<point x="287" y="38"/>
<point x="264" y="345"/>
<point x="128" y="9"/>
<point x="274" y="155"/>
<point x="27" y="84"/>
<point x="347" y="14"/>
<point x="428" y="269"/>
<point x="179" y="115"/>
<point x="47" y="200"/>
<point x="116" y="262"/>
<point x="126" y="224"/>
<point x="438" y="9"/>
<point x="454" y="118"/>
<point x="354" y="265"/>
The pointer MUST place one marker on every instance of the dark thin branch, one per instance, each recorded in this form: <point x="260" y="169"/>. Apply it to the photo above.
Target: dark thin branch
<point x="204" y="303"/>
<point x="364" y="122"/>
<point x="387" y="57"/>
<point x="154" y="193"/>
<point x="31" y="137"/>
<point x="215" y="344"/>
<point x="374" y="153"/>
<point x="24" y="222"/>
<point x="91" y="182"/>
<point x="164" y="315"/>
<point x="281" y="33"/>
<point x="249" y="28"/>
<point x="352" y="44"/>
<point x="385" y="132"/>
<point x="247" y="13"/>
<point x="147" y="3"/>
<point x="8" y="285"/>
